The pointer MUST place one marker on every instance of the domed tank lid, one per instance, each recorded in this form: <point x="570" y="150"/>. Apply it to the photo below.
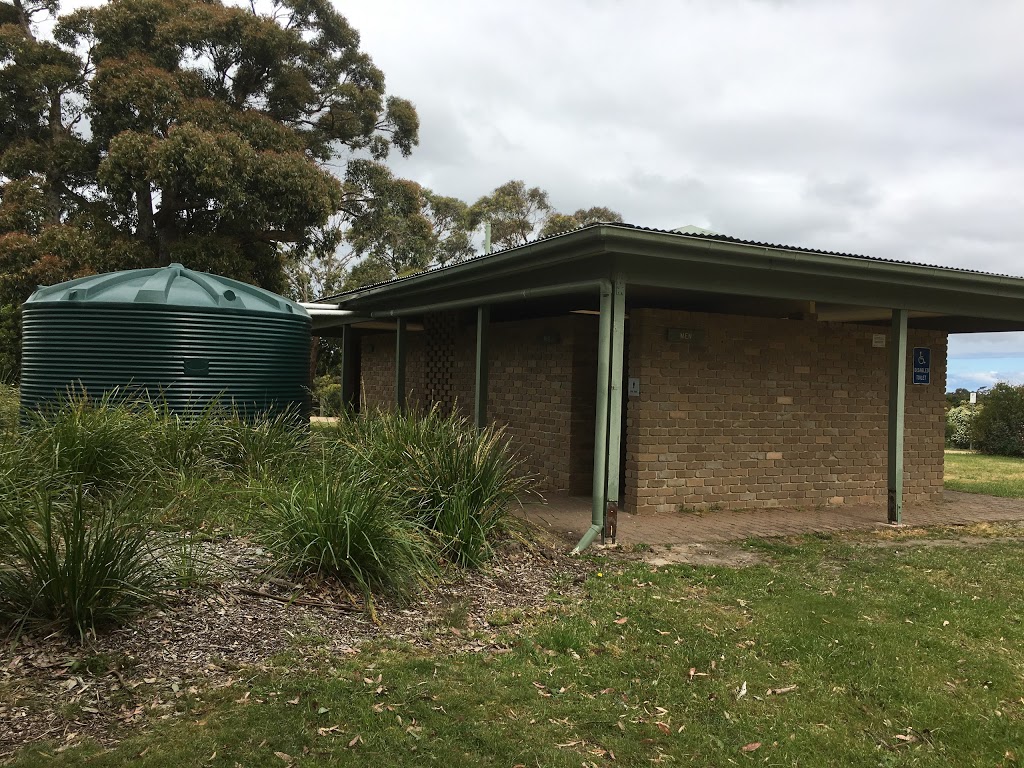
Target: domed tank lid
<point x="171" y="286"/>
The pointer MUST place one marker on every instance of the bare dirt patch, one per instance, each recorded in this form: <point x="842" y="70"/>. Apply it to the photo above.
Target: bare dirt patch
<point x="54" y="689"/>
<point x="718" y="554"/>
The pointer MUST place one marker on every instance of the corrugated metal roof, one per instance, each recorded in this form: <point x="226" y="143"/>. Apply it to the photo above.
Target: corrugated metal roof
<point x="684" y="236"/>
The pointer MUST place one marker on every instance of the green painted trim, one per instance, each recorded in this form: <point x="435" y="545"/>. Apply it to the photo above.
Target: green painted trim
<point x="349" y="380"/>
<point x="671" y="260"/>
<point x="483" y="322"/>
<point x="401" y="346"/>
<point x="897" y="401"/>
<point x="615" y="390"/>
<point x="604" y="350"/>
<point x="492" y="298"/>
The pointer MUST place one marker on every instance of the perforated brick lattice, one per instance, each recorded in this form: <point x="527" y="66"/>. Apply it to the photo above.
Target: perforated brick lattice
<point x="441" y="331"/>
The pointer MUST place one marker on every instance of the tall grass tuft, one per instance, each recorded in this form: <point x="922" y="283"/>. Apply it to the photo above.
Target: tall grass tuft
<point x="458" y="481"/>
<point x="180" y="444"/>
<point x="102" y="444"/>
<point x="268" y="444"/>
<point x="9" y="408"/>
<point x="343" y="521"/>
<point x="78" y="568"/>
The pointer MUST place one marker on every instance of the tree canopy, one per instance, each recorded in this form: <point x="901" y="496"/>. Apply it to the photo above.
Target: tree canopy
<point x="152" y="131"/>
<point x="518" y="214"/>
<point x="247" y="140"/>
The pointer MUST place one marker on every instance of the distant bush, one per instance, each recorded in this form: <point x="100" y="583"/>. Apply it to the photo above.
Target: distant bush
<point x="960" y="425"/>
<point x="999" y="426"/>
<point x="327" y="395"/>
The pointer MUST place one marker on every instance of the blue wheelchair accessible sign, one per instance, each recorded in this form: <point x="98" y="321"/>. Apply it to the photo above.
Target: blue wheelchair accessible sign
<point x="922" y="365"/>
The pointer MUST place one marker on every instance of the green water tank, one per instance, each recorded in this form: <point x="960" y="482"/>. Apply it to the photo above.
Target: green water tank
<point x="187" y="338"/>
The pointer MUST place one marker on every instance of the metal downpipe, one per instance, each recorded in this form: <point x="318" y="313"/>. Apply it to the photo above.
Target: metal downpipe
<point x="604" y="354"/>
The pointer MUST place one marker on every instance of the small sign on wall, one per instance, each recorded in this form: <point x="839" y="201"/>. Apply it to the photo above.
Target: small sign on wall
<point x="634" y="387"/>
<point x="878" y="340"/>
<point x="922" y="365"/>
<point x="685" y="335"/>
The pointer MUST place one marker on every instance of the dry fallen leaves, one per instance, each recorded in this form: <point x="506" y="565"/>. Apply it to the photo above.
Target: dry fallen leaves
<point x="751" y="747"/>
<point x="185" y="644"/>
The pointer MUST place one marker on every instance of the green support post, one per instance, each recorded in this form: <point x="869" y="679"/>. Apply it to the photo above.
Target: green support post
<point x="483" y="321"/>
<point x="599" y="489"/>
<point x="897" y="398"/>
<point x="615" y="393"/>
<point x="401" y="343"/>
<point x="349" y="351"/>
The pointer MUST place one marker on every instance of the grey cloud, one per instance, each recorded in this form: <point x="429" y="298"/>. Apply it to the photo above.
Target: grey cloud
<point x="890" y="129"/>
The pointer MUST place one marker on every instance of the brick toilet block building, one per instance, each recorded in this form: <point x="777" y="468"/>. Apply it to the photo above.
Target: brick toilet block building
<point x="659" y="371"/>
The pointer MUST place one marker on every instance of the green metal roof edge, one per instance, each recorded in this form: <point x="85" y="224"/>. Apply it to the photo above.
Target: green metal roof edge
<point x="526" y="257"/>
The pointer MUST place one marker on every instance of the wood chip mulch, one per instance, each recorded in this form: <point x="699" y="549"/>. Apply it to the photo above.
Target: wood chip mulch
<point x="223" y="636"/>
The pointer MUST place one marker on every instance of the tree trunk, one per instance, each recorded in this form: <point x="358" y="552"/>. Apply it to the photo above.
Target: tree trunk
<point x="53" y="201"/>
<point x="166" y="227"/>
<point x="144" y="207"/>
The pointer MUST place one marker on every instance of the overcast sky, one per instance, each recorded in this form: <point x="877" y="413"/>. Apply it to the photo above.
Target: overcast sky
<point x="894" y="129"/>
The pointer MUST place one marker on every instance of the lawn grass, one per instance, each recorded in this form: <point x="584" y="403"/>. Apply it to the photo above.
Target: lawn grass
<point x="900" y="655"/>
<point x="991" y="475"/>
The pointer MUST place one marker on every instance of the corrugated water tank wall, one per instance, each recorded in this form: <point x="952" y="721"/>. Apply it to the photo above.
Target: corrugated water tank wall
<point x="187" y="338"/>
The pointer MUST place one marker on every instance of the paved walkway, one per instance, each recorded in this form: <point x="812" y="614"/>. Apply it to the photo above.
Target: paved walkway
<point x="569" y="517"/>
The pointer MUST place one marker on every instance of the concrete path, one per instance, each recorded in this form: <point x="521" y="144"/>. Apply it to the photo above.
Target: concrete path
<point x="569" y="517"/>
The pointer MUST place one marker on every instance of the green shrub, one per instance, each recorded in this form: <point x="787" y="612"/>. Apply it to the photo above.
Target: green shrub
<point x="458" y="481"/>
<point x="271" y="444"/>
<point x="78" y="569"/>
<point x="346" y="522"/>
<point x="999" y="426"/>
<point x="960" y="425"/>
<point x="103" y="444"/>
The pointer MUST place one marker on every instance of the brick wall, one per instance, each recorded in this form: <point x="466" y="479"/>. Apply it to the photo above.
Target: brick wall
<point x="542" y="385"/>
<point x="762" y="412"/>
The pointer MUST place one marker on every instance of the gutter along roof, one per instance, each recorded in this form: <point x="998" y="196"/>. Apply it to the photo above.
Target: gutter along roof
<point x="673" y="263"/>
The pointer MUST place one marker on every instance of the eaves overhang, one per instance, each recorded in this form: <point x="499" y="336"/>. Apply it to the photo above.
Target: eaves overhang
<point x="714" y="264"/>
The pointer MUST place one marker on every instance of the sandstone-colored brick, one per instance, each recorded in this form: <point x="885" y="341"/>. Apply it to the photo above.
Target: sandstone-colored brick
<point x="810" y="412"/>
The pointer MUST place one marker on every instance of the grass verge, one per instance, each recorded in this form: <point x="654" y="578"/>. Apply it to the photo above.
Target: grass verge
<point x="991" y="475"/>
<point x="834" y="654"/>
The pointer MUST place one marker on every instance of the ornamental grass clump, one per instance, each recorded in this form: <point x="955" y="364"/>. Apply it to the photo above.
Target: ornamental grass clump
<point x="464" y="486"/>
<point x="349" y="523"/>
<point x="9" y="408"/>
<point x="78" y="565"/>
<point x="456" y="480"/>
<point x="99" y="444"/>
<point x="264" y="445"/>
<point x="179" y="443"/>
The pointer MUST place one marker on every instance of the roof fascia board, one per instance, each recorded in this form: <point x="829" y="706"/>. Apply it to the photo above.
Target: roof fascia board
<point x="500" y="266"/>
<point x="751" y="271"/>
<point x="855" y="291"/>
<point x="829" y="265"/>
